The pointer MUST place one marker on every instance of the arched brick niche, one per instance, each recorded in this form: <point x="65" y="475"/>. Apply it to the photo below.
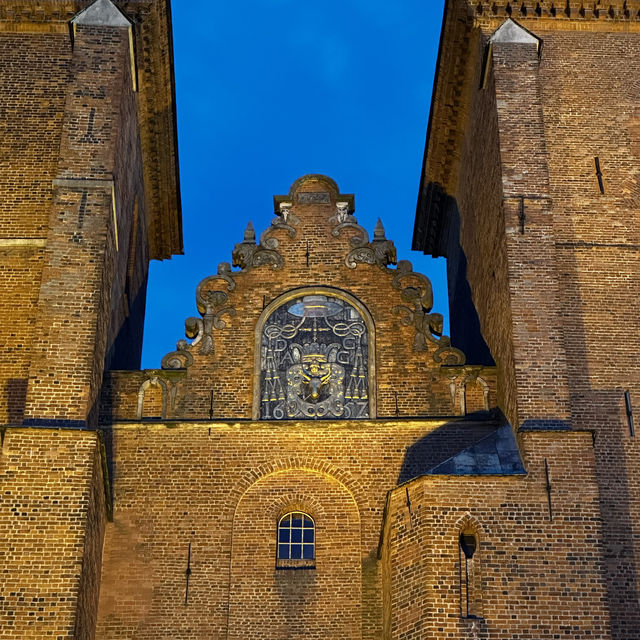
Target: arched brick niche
<point x="296" y="603"/>
<point x="152" y="399"/>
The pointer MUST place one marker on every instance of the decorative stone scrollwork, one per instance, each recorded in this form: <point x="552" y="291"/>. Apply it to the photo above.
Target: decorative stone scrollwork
<point x="212" y="304"/>
<point x="181" y="358"/>
<point x="284" y="221"/>
<point x="344" y="220"/>
<point x="223" y="273"/>
<point x="446" y="354"/>
<point x="247" y="254"/>
<point x="194" y="330"/>
<point x="381" y="251"/>
<point x="211" y="301"/>
<point x="416" y="290"/>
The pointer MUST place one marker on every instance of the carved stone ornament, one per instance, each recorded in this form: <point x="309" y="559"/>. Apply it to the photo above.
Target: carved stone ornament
<point x="314" y="197"/>
<point x="342" y="214"/>
<point x="381" y="252"/>
<point x="417" y="292"/>
<point x="568" y="9"/>
<point x="344" y="220"/>
<point x="285" y="212"/>
<point x="285" y="221"/>
<point x="211" y="301"/>
<point x="178" y="359"/>
<point x="247" y="254"/>
<point x="314" y="361"/>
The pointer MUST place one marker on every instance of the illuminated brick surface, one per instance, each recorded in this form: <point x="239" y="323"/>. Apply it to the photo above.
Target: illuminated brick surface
<point x="185" y="544"/>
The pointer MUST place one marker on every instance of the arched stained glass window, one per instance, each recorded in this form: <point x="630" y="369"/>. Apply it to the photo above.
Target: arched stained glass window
<point x="296" y="537"/>
<point x="314" y="360"/>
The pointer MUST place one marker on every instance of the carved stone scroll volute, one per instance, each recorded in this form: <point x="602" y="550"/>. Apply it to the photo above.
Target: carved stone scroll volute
<point x="181" y="358"/>
<point x="247" y="254"/>
<point x="416" y="290"/>
<point x="381" y="252"/>
<point x="212" y="304"/>
<point x="343" y="220"/>
<point x="212" y="296"/>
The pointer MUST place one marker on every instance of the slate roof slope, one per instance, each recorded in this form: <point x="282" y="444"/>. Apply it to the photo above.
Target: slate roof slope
<point x="496" y="453"/>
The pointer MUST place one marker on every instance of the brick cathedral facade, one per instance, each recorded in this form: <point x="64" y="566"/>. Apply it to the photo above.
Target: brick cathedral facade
<point x="316" y="459"/>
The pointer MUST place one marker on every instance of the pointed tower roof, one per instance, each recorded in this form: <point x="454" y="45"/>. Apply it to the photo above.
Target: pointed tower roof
<point x="511" y="32"/>
<point x="102" y="13"/>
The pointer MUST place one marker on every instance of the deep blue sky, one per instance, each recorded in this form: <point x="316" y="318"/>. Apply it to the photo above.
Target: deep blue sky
<point x="269" y="90"/>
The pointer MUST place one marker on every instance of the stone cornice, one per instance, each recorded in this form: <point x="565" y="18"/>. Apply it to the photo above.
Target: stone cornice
<point x="559" y="11"/>
<point x="156" y="105"/>
<point x="443" y="133"/>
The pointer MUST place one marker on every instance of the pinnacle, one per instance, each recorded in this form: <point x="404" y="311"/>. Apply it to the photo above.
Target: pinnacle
<point x="511" y="32"/>
<point x="102" y="13"/>
<point x="250" y="233"/>
<point x="378" y="232"/>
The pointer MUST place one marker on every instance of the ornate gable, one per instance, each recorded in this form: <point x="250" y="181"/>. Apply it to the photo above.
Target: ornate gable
<point x="314" y="319"/>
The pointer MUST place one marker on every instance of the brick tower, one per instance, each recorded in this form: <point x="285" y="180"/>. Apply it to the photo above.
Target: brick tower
<point x="89" y="193"/>
<point x="531" y="189"/>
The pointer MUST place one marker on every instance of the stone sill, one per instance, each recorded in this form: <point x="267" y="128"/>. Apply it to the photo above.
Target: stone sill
<point x="295" y="564"/>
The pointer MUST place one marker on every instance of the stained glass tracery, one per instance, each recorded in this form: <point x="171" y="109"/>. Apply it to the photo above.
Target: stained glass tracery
<point x="314" y="361"/>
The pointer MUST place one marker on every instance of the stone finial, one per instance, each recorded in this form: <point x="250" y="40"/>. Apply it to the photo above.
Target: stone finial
<point x="380" y="251"/>
<point x="378" y="232"/>
<point x="249" y="234"/>
<point x="248" y="254"/>
<point x="102" y="13"/>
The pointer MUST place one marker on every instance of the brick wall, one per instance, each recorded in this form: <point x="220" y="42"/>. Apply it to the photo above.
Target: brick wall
<point x="34" y="72"/>
<point x="90" y="257"/>
<point x="222" y="487"/>
<point x="540" y="577"/>
<point x="51" y="533"/>
<point x="596" y="244"/>
<point x="325" y="602"/>
<point x="481" y="234"/>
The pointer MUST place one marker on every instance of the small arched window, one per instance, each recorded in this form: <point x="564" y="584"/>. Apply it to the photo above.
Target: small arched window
<point x="470" y="580"/>
<point x="296" y="538"/>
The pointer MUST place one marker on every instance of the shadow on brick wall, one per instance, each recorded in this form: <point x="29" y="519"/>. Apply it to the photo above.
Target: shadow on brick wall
<point x="442" y="444"/>
<point x="601" y="408"/>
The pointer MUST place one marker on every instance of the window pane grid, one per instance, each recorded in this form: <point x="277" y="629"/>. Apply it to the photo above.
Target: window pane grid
<point x="296" y="537"/>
